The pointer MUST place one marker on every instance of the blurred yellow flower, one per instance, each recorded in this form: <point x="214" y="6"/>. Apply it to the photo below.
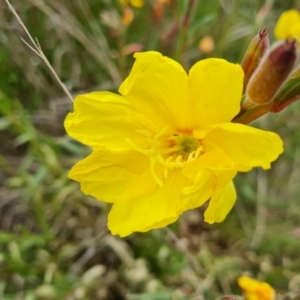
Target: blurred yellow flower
<point x="134" y="3"/>
<point x="288" y="25"/>
<point x="256" y="290"/>
<point x="127" y="16"/>
<point x="166" y="145"/>
<point x="206" y="44"/>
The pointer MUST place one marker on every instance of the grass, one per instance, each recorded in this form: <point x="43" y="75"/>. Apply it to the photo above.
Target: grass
<point x="54" y="242"/>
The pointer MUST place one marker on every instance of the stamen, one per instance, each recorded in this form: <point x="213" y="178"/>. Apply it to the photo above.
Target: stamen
<point x="169" y="159"/>
<point x="153" y="153"/>
<point x="191" y="156"/>
<point x="179" y="159"/>
<point x="172" y="149"/>
<point x="135" y="147"/>
<point x="152" y="169"/>
<point x="161" y="133"/>
<point x="166" y="170"/>
<point x="198" y="151"/>
<point x="145" y="133"/>
<point x="171" y="138"/>
<point x="169" y="164"/>
<point x="183" y="149"/>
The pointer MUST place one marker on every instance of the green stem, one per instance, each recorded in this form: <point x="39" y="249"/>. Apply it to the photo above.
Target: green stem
<point x="185" y="13"/>
<point x="248" y="116"/>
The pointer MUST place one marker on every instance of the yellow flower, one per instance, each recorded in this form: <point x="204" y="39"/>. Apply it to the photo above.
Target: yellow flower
<point x="127" y="16"/>
<point x="256" y="290"/>
<point x="288" y="25"/>
<point x="206" y="44"/>
<point x="134" y="3"/>
<point x="166" y="145"/>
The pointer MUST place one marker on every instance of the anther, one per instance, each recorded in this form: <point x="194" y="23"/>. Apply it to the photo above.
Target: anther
<point x="178" y="159"/>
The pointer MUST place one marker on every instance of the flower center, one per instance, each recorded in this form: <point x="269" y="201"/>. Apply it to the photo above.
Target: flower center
<point x="178" y="148"/>
<point x="170" y="151"/>
<point x="178" y="145"/>
<point x="187" y="144"/>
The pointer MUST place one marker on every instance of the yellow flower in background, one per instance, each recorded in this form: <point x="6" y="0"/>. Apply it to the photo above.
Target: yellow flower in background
<point x="166" y="144"/>
<point x="134" y="3"/>
<point x="206" y="44"/>
<point x="288" y="25"/>
<point x="256" y="290"/>
<point x="127" y="16"/>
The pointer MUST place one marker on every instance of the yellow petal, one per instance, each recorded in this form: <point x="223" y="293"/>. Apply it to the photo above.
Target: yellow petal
<point x="216" y="91"/>
<point x="158" y="87"/>
<point x="146" y="206"/>
<point x="220" y="204"/>
<point x="215" y="159"/>
<point x="247" y="283"/>
<point x="105" y="119"/>
<point x="211" y="172"/>
<point x="248" y="147"/>
<point x="199" y="191"/>
<point x="105" y="175"/>
<point x="256" y="290"/>
<point x="137" y="3"/>
<point x="288" y="25"/>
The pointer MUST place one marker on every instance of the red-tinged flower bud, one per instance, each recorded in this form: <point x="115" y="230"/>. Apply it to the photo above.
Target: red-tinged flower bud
<point x="256" y="50"/>
<point x="270" y="74"/>
<point x="288" y="93"/>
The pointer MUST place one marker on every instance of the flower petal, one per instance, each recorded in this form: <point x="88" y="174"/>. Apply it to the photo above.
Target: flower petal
<point x="248" y="147"/>
<point x="220" y="204"/>
<point x="105" y="119"/>
<point x="146" y="206"/>
<point x="200" y="191"/>
<point x="216" y="91"/>
<point x="288" y="25"/>
<point x="213" y="160"/>
<point x="137" y="3"/>
<point x="256" y="290"/>
<point x="158" y="87"/>
<point x="211" y="172"/>
<point x="105" y="175"/>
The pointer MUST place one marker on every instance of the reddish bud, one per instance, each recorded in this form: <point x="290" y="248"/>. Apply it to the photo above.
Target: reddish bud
<point x="256" y="50"/>
<point x="270" y="74"/>
<point x="288" y="93"/>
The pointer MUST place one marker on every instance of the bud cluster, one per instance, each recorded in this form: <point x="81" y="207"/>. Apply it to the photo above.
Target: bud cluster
<point x="270" y="85"/>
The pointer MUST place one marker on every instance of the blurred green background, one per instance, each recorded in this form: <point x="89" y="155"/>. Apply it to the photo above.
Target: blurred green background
<point x="54" y="243"/>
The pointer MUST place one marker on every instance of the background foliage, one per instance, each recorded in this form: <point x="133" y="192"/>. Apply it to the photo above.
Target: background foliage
<point x="54" y="243"/>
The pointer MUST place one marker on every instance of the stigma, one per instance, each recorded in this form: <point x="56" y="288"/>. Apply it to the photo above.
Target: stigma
<point x="180" y="148"/>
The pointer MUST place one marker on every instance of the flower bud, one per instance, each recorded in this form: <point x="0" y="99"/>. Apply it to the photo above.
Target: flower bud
<point x="288" y="93"/>
<point x="270" y="74"/>
<point x="254" y="54"/>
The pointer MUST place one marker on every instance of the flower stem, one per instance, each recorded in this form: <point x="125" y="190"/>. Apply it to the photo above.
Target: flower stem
<point x="248" y="116"/>
<point x="185" y="16"/>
